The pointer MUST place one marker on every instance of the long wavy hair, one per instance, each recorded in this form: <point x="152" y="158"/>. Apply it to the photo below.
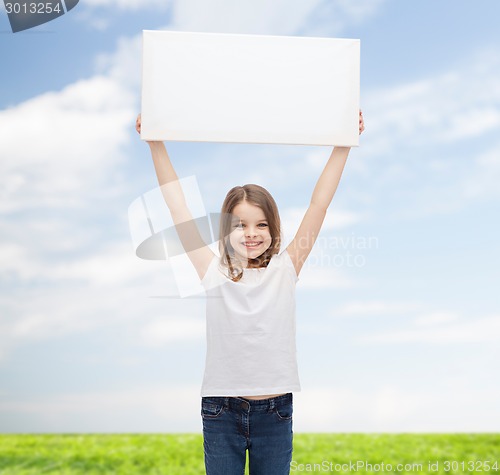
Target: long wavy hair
<point x="257" y="196"/>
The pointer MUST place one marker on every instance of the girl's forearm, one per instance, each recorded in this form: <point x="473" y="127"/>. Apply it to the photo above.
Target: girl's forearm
<point x="330" y="177"/>
<point x="167" y="177"/>
<point x="163" y="166"/>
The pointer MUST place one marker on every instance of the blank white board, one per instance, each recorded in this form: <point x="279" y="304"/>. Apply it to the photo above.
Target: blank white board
<point x="212" y="87"/>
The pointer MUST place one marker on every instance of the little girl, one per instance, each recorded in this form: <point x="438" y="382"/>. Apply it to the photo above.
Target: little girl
<point x="251" y="367"/>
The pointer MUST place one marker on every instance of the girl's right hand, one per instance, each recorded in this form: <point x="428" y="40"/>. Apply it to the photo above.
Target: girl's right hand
<point x="138" y="128"/>
<point x="138" y="124"/>
<point x="361" y="122"/>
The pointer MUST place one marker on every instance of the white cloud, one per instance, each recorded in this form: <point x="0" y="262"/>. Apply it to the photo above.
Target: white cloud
<point x="127" y="4"/>
<point x="386" y="408"/>
<point x="58" y="146"/>
<point x="391" y="408"/>
<point x="61" y="182"/>
<point x="452" y="106"/>
<point x="124" y="65"/>
<point x="438" y="330"/>
<point x="358" y="11"/>
<point x="435" y="318"/>
<point x="291" y="217"/>
<point x="86" y="292"/>
<point x="376" y="307"/>
<point x="251" y="17"/>
<point x="281" y="17"/>
<point x="52" y="315"/>
<point x="477" y="121"/>
<point x="457" y="104"/>
<point x="490" y="159"/>
<point x="172" y="329"/>
<point x="482" y="180"/>
<point x="150" y="409"/>
<point x="109" y="267"/>
<point x="426" y="141"/>
<point x="67" y="256"/>
<point x="320" y="273"/>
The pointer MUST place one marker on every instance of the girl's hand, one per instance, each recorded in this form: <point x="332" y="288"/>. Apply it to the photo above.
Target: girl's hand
<point x="138" y="124"/>
<point x="361" y="122"/>
<point x="138" y="128"/>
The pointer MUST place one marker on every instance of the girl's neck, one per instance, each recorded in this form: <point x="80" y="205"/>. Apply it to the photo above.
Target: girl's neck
<point x="242" y="263"/>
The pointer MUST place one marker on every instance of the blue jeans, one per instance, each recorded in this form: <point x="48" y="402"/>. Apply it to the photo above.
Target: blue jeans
<point x="233" y="425"/>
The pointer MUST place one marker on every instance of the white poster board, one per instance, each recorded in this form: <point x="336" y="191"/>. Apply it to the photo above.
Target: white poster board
<point x="212" y="87"/>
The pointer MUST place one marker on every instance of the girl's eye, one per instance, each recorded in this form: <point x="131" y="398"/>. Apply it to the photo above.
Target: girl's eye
<point x="241" y="225"/>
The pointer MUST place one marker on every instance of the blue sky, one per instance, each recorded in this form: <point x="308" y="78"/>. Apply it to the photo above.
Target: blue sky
<point x="407" y="339"/>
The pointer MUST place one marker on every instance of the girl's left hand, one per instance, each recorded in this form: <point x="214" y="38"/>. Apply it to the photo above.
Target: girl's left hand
<point x="361" y="122"/>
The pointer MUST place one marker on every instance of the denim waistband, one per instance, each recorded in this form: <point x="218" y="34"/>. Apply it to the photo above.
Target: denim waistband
<point x="253" y="405"/>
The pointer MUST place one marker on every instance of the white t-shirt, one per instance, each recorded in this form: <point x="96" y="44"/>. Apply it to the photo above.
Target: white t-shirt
<point x="251" y="346"/>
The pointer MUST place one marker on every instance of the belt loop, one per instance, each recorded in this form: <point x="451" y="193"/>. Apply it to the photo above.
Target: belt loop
<point x="272" y="403"/>
<point x="226" y="402"/>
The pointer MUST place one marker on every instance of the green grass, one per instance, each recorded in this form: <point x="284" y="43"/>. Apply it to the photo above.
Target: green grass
<point x="172" y="454"/>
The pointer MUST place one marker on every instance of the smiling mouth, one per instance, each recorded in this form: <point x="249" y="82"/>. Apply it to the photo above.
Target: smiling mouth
<point x="252" y="243"/>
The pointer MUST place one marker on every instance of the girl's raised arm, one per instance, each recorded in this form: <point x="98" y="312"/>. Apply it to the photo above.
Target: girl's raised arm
<point x="196" y="249"/>
<point x="323" y="193"/>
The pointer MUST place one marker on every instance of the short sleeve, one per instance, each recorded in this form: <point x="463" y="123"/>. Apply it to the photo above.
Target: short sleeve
<point x="208" y="280"/>
<point x="287" y="262"/>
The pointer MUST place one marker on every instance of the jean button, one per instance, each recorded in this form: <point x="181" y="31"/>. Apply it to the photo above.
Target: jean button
<point x="245" y="405"/>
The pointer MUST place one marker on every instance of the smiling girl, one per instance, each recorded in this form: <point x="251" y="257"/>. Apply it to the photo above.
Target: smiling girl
<point x="251" y="366"/>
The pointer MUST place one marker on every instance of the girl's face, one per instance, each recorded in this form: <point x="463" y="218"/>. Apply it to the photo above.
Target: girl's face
<point x="250" y="235"/>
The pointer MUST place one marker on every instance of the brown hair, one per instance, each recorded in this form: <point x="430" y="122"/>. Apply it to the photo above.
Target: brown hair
<point x="257" y="196"/>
